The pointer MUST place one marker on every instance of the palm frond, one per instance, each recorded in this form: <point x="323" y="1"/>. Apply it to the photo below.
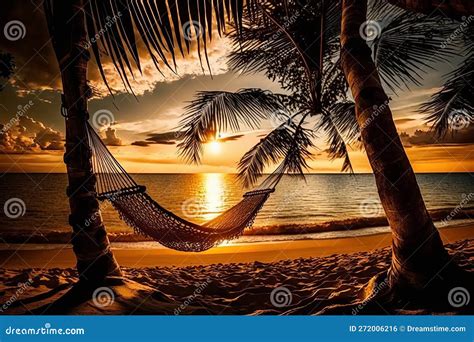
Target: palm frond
<point x="270" y="150"/>
<point x="215" y="112"/>
<point x="341" y="128"/>
<point x="288" y="144"/>
<point x="116" y="27"/>
<point x="454" y="101"/>
<point x="284" y="49"/>
<point x="408" y="45"/>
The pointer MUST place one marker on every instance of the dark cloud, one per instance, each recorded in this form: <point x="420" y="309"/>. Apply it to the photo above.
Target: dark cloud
<point x="29" y="135"/>
<point x="171" y="138"/>
<point x="230" y="138"/>
<point x="403" y="121"/>
<point x="420" y="138"/>
<point x="141" y="143"/>
<point x="167" y="138"/>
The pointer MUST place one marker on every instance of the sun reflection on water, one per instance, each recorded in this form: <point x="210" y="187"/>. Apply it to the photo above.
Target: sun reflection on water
<point x="213" y="193"/>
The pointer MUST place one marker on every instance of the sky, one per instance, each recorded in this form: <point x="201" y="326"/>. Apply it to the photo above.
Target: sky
<point x="142" y="138"/>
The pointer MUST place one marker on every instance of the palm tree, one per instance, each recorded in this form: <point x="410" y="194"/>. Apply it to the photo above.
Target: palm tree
<point x="416" y="242"/>
<point x="259" y="49"/>
<point x="77" y="25"/>
<point x="109" y="27"/>
<point x="419" y="261"/>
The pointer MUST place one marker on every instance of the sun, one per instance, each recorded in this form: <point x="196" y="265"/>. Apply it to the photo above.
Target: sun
<point x="214" y="146"/>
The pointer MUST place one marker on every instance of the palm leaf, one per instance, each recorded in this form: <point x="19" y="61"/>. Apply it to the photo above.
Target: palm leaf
<point x="288" y="144"/>
<point x="214" y="112"/>
<point x="270" y="150"/>
<point x="454" y="102"/>
<point x="408" y="45"/>
<point x="115" y="27"/>
<point x="341" y="128"/>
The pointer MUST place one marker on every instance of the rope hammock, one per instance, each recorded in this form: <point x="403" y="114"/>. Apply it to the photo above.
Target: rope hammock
<point x="138" y="210"/>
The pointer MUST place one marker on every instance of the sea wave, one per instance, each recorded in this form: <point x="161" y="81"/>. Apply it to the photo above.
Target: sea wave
<point x="63" y="237"/>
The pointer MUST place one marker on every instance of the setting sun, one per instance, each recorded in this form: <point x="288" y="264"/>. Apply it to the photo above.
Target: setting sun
<point x="214" y="146"/>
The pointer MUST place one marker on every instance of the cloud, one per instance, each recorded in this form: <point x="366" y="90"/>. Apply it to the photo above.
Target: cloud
<point x="111" y="138"/>
<point x="29" y="135"/>
<point x="141" y="143"/>
<point x="404" y="121"/>
<point x="422" y="138"/>
<point x="171" y="138"/>
<point x="167" y="138"/>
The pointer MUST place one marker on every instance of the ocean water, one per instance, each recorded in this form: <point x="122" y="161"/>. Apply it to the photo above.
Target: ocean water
<point x="200" y="197"/>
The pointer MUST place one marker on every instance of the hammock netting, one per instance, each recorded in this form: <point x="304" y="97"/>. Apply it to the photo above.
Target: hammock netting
<point x="137" y="209"/>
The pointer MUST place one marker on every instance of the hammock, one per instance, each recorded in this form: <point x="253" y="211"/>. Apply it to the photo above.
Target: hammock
<point x="137" y="209"/>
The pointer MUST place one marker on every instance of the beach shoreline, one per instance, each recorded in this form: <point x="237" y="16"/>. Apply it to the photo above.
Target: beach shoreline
<point x="63" y="256"/>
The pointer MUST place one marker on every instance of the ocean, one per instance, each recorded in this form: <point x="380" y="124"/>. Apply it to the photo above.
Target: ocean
<point x="317" y="199"/>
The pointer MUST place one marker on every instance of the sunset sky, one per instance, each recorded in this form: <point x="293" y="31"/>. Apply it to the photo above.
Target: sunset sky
<point x="140" y="139"/>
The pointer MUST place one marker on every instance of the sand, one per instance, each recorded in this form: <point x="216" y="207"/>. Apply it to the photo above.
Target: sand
<point x="305" y="277"/>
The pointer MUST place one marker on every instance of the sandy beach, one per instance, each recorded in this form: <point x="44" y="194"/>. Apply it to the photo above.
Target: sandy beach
<point x="317" y="274"/>
<point x="240" y="253"/>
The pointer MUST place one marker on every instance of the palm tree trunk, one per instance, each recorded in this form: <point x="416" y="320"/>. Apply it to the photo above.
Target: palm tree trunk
<point x="451" y="8"/>
<point x="95" y="261"/>
<point x="417" y="250"/>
